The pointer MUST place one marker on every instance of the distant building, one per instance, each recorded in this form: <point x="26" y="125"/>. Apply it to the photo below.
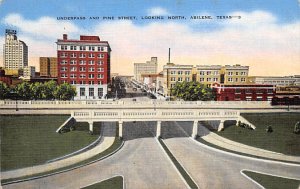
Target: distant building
<point x="84" y="63"/>
<point x="48" y="67"/>
<point x="150" y="67"/>
<point x="205" y="74"/>
<point x="243" y="92"/>
<point x="28" y="72"/>
<point x="287" y="95"/>
<point x="276" y="80"/>
<point x="15" y="52"/>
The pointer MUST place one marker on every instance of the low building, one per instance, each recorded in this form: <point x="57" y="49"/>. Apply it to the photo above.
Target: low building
<point x="287" y="95"/>
<point x="28" y="72"/>
<point x="246" y="92"/>
<point x="150" y="67"/>
<point x="276" y="80"/>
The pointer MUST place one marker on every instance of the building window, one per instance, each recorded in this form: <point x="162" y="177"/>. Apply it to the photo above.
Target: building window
<point x="236" y="79"/>
<point x="179" y="78"/>
<point x="202" y="73"/>
<point x="82" y="55"/>
<point x="91" y="82"/>
<point x="82" y="76"/>
<point x="173" y="79"/>
<point x="73" y="62"/>
<point x="100" y="48"/>
<point x="91" y="48"/>
<point x="243" y="79"/>
<point x="208" y="79"/>
<point x="236" y="73"/>
<point x="73" y="76"/>
<point x="201" y="79"/>
<point x="216" y="79"/>
<point x="180" y="72"/>
<point x="63" y="62"/>
<point x="82" y="62"/>
<point x="73" y="82"/>
<point x="63" y="75"/>
<point x="230" y="73"/>
<point x="173" y="72"/>
<point x="91" y="91"/>
<point x="73" y="55"/>
<point x="237" y="91"/>
<point x="243" y="73"/>
<point x="64" y="47"/>
<point x="248" y="91"/>
<point x="100" y="55"/>
<point x="82" y="82"/>
<point x="91" y="62"/>
<point x="187" y="79"/>
<point x="100" y="92"/>
<point x="82" y="91"/>
<point x="187" y="72"/>
<point x="63" y="69"/>
<point x="82" y="69"/>
<point x="230" y="79"/>
<point x="82" y="48"/>
<point x="73" y="69"/>
<point x="63" y="55"/>
<point x="91" y="76"/>
<point x="100" y="69"/>
<point x="172" y="85"/>
<point x="216" y="73"/>
<point x="270" y="91"/>
<point x="73" y="48"/>
<point x="91" y="55"/>
<point x="100" y="62"/>
<point x="100" y="76"/>
<point x="208" y="73"/>
<point x="91" y="69"/>
<point x="100" y="82"/>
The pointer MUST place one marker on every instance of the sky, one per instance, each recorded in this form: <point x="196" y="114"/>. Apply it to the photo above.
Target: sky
<point x="264" y="35"/>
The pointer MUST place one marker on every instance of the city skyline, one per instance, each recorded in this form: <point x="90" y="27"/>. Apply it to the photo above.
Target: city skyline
<point x="264" y="38"/>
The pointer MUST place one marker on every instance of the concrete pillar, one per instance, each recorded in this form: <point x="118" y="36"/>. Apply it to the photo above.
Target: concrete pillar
<point x="120" y="128"/>
<point x="91" y="126"/>
<point x="221" y="125"/>
<point x="195" y="129"/>
<point x="158" y="129"/>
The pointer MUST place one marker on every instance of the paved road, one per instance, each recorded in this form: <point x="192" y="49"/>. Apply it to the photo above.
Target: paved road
<point x="213" y="169"/>
<point x="141" y="161"/>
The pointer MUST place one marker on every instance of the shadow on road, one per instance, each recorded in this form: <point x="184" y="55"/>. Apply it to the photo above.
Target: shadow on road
<point x="134" y="130"/>
<point x="172" y="129"/>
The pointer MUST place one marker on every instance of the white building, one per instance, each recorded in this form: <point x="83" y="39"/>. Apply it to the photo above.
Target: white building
<point x="276" y="80"/>
<point x="29" y="72"/>
<point x="15" y="52"/>
<point x="150" y="67"/>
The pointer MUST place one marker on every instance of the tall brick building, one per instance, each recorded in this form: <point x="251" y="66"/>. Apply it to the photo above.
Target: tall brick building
<point x="48" y="66"/>
<point x="84" y="63"/>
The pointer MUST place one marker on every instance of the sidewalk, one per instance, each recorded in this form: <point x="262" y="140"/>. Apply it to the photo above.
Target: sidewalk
<point x="106" y="141"/>
<point x="215" y="139"/>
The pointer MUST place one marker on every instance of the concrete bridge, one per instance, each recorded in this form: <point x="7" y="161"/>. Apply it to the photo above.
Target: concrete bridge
<point x="158" y="115"/>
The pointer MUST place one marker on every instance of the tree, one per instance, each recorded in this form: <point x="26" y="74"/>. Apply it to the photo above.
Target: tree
<point x="23" y="91"/>
<point x="4" y="90"/>
<point x="49" y="89"/>
<point x="37" y="90"/>
<point x="297" y="128"/>
<point x="192" y="91"/>
<point x="65" y="91"/>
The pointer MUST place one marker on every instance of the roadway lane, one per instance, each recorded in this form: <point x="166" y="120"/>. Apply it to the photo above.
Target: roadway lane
<point x="141" y="161"/>
<point x="213" y="169"/>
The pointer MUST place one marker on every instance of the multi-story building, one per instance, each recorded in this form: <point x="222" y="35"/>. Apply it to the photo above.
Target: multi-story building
<point x="48" y="67"/>
<point x="276" y="80"/>
<point x="234" y="75"/>
<point x="84" y="63"/>
<point x="205" y="74"/>
<point x="150" y="67"/>
<point x="208" y="74"/>
<point x="243" y="92"/>
<point x="28" y="72"/>
<point x="176" y="73"/>
<point x="15" y="52"/>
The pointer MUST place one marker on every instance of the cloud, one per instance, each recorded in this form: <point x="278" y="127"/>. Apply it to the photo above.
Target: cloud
<point x="46" y="27"/>
<point x="1" y="1"/>
<point x="157" y="11"/>
<point x="256" y="40"/>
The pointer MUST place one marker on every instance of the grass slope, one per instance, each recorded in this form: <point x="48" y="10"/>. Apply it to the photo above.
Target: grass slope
<point x="31" y="140"/>
<point x="281" y="140"/>
<point x="273" y="182"/>
<point x="112" y="183"/>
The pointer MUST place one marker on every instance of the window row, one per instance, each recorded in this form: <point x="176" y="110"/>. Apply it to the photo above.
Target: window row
<point x="91" y="92"/>
<point x="81" y="55"/>
<point x="180" y="72"/>
<point x="237" y="73"/>
<point x="73" y="82"/>
<point x="90" y="76"/>
<point x="230" y="79"/>
<point x="82" y="62"/>
<point x="81" y="69"/>
<point x="209" y="72"/>
<point x="83" y="48"/>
